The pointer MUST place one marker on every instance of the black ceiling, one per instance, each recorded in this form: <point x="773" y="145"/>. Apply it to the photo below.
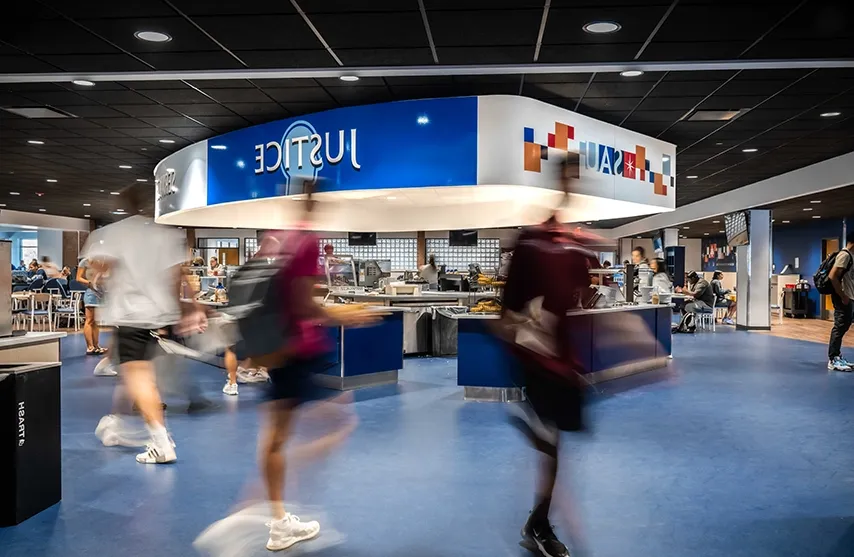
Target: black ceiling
<point x="123" y="123"/>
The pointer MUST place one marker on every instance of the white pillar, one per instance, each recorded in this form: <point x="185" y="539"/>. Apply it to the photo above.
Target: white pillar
<point x="625" y="251"/>
<point x="753" y="277"/>
<point x="671" y="237"/>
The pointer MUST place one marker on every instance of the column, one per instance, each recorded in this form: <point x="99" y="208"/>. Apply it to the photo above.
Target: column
<point x="422" y="249"/>
<point x="671" y="237"/>
<point x="625" y="251"/>
<point x="753" y="277"/>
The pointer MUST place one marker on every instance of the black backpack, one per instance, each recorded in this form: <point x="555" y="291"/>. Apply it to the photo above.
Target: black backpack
<point x="821" y="279"/>
<point x="688" y="324"/>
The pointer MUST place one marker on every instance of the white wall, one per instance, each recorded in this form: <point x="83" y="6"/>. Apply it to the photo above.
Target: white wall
<point x="240" y="233"/>
<point x="50" y="245"/>
<point x="693" y="251"/>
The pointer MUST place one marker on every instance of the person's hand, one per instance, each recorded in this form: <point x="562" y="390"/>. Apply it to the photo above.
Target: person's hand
<point x="679" y="290"/>
<point x="192" y="322"/>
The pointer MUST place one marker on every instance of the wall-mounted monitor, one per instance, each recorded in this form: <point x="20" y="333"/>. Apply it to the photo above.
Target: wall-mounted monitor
<point x="458" y="238"/>
<point x="736" y="225"/>
<point x="362" y="238"/>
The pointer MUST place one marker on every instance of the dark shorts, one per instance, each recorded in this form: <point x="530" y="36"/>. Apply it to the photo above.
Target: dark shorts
<point x="294" y="381"/>
<point x="554" y="399"/>
<point x="133" y="345"/>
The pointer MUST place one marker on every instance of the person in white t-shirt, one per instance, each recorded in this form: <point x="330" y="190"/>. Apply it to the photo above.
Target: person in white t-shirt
<point x="430" y="272"/>
<point x="144" y="261"/>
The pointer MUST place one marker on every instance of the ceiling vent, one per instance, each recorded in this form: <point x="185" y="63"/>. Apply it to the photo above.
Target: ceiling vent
<point x="38" y="112"/>
<point x="715" y="115"/>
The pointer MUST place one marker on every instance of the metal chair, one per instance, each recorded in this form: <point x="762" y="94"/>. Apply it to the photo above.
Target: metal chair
<point x="70" y="309"/>
<point x="44" y="314"/>
<point x="706" y="318"/>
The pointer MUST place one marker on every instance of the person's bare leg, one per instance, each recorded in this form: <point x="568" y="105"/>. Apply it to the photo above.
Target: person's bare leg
<point x="96" y="332"/>
<point x="139" y="378"/>
<point x="231" y="366"/>
<point x="88" y="323"/>
<point x="271" y="457"/>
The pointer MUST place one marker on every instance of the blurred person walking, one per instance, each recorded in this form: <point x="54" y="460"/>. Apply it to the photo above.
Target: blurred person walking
<point x="547" y="276"/>
<point x="144" y="263"/>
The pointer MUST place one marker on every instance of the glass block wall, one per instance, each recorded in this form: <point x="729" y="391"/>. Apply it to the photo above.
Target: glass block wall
<point x="403" y="252"/>
<point x="250" y="246"/>
<point x="487" y="253"/>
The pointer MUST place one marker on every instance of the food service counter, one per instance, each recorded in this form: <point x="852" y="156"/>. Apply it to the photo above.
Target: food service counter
<point x="607" y="341"/>
<point x="365" y="356"/>
<point x="31" y="347"/>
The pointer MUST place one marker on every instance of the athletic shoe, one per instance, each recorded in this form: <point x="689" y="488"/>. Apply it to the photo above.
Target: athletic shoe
<point x="252" y="375"/>
<point x="290" y="530"/>
<point x="105" y="369"/>
<point x="542" y="539"/>
<point x="728" y="321"/>
<point x="157" y="455"/>
<point x="113" y="432"/>
<point x="838" y="364"/>
<point x="230" y="388"/>
<point x="846" y="362"/>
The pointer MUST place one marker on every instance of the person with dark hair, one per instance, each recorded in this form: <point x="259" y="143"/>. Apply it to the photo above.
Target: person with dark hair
<point x="606" y="265"/>
<point x="430" y="272"/>
<point x="842" y="278"/>
<point x="661" y="280"/>
<point x="700" y="292"/>
<point x="639" y="256"/>
<point x="721" y="298"/>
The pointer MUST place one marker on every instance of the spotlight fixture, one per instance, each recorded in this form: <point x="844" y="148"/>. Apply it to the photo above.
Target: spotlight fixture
<point x="816" y="216"/>
<point x="152" y="36"/>
<point x="42" y="210"/>
<point x="601" y="27"/>
<point x="830" y="114"/>
<point x="83" y="83"/>
<point x="816" y="201"/>
<point x="141" y="180"/>
<point x="14" y="193"/>
<point x="86" y="216"/>
<point x="87" y="204"/>
<point x="348" y="77"/>
<point x="786" y="221"/>
<point x="125" y="166"/>
<point x="51" y="180"/>
<point x="35" y="142"/>
<point x="691" y="177"/>
<point x="749" y="150"/>
<point x="631" y="73"/>
<point x="807" y="208"/>
<point x="115" y="193"/>
<point x="167" y="141"/>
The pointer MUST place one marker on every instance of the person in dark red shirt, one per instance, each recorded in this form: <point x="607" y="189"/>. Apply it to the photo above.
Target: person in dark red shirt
<point x="547" y="278"/>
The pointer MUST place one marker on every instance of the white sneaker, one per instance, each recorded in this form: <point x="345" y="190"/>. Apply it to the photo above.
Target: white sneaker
<point x="111" y="431"/>
<point x="251" y="375"/>
<point x="158" y="455"/>
<point x="105" y="369"/>
<point x="290" y="530"/>
<point x="230" y="388"/>
<point x="838" y="364"/>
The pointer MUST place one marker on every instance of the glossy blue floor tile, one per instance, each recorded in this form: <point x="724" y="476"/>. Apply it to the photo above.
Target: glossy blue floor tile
<point x="743" y="449"/>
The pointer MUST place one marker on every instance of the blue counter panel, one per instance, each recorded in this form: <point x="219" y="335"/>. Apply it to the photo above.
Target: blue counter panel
<point x="612" y="327"/>
<point x="374" y="349"/>
<point x="664" y="319"/>
<point x="482" y="359"/>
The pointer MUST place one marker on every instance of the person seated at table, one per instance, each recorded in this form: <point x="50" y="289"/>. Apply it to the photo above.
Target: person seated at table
<point x="32" y="268"/>
<point x="722" y="298"/>
<point x="51" y="271"/>
<point x="661" y="281"/>
<point x="701" y="294"/>
<point x="214" y="268"/>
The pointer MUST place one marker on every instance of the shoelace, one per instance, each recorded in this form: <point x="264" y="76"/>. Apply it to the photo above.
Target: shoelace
<point x="289" y="518"/>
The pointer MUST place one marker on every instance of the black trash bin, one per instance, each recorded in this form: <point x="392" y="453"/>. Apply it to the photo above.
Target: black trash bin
<point x="30" y="466"/>
<point x="445" y="330"/>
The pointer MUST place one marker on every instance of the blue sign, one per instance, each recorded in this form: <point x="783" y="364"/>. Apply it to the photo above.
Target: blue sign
<point x="404" y="144"/>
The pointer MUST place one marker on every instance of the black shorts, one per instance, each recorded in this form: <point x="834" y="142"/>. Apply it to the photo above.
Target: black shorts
<point x="294" y="381"/>
<point x="133" y="345"/>
<point x="555" y="400"/>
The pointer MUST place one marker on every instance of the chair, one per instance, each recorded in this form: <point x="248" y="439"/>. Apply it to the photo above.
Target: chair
<point x="56" y="286"/>
<point x="37" y="284"/>
<point x="70" y="309"/>
<point x="706" y="318"/>
<point x="45" y="313"/>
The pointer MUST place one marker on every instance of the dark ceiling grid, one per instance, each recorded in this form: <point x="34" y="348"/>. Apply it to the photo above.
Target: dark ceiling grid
<point x="430" y="41"/>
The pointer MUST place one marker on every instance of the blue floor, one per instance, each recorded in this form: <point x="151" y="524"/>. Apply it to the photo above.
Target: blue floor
<point x="745" y="449"/>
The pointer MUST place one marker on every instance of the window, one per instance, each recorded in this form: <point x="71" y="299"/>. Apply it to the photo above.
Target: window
<point x="250" y="247"/>
<point x="29" y="249"/>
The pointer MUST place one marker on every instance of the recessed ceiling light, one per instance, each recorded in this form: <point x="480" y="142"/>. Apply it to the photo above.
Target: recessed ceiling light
<point x="686" y="228"/>
<point x="786" y="221"/>
<point x="83" y="83"/>
<point x="2" y="204"/>
<point x="114" y="193"/>
<point x="87" y="204"/>
<point x="167" y="141"/>
<point x="35" y="142"/>
<point x="719" y="143"/>
<point x="830" y="114"/>
<point x="219" y="147"/>
<point x="588" y="223"/>
<point x="125" y="166"/>
<point x="51" y="180"/>
<point x="807" y="208"/>
<point x="42" y="210"/>
<point x="716" y="222"/>
<point x="349" y="77"/>
<point x="152" y="36"/>
<point x="750" y="150"/>
<point x="86" y="216"/>
<point x="14" y="193"/>
<point x="141" y="180"/>
<point x="724" y="231"/>
<point x="639" y="237"/>
<point x="705" y="233"/>
<point x="691" y="177"/>
<point x="600" y="27"/>
<point x="631" y="73"/>
<point x="816" y="216"/>
<point x="816" y="201"/>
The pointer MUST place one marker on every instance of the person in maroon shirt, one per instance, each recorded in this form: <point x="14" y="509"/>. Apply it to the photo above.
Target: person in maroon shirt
<point x="547" y="277"/>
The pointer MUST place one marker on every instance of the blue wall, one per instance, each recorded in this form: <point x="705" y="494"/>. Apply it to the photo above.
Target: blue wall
<point x="804" y="241"/>
<point x="15" y="238"/>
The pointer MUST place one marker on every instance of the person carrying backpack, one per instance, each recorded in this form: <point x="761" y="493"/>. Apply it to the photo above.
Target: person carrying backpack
<point x="841" y="278"/>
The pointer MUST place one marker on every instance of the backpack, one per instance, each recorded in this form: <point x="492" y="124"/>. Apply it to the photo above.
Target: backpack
<point x="821" y="279"/>
<point x="256" y="306"/>
<point x="688" y="324"/>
